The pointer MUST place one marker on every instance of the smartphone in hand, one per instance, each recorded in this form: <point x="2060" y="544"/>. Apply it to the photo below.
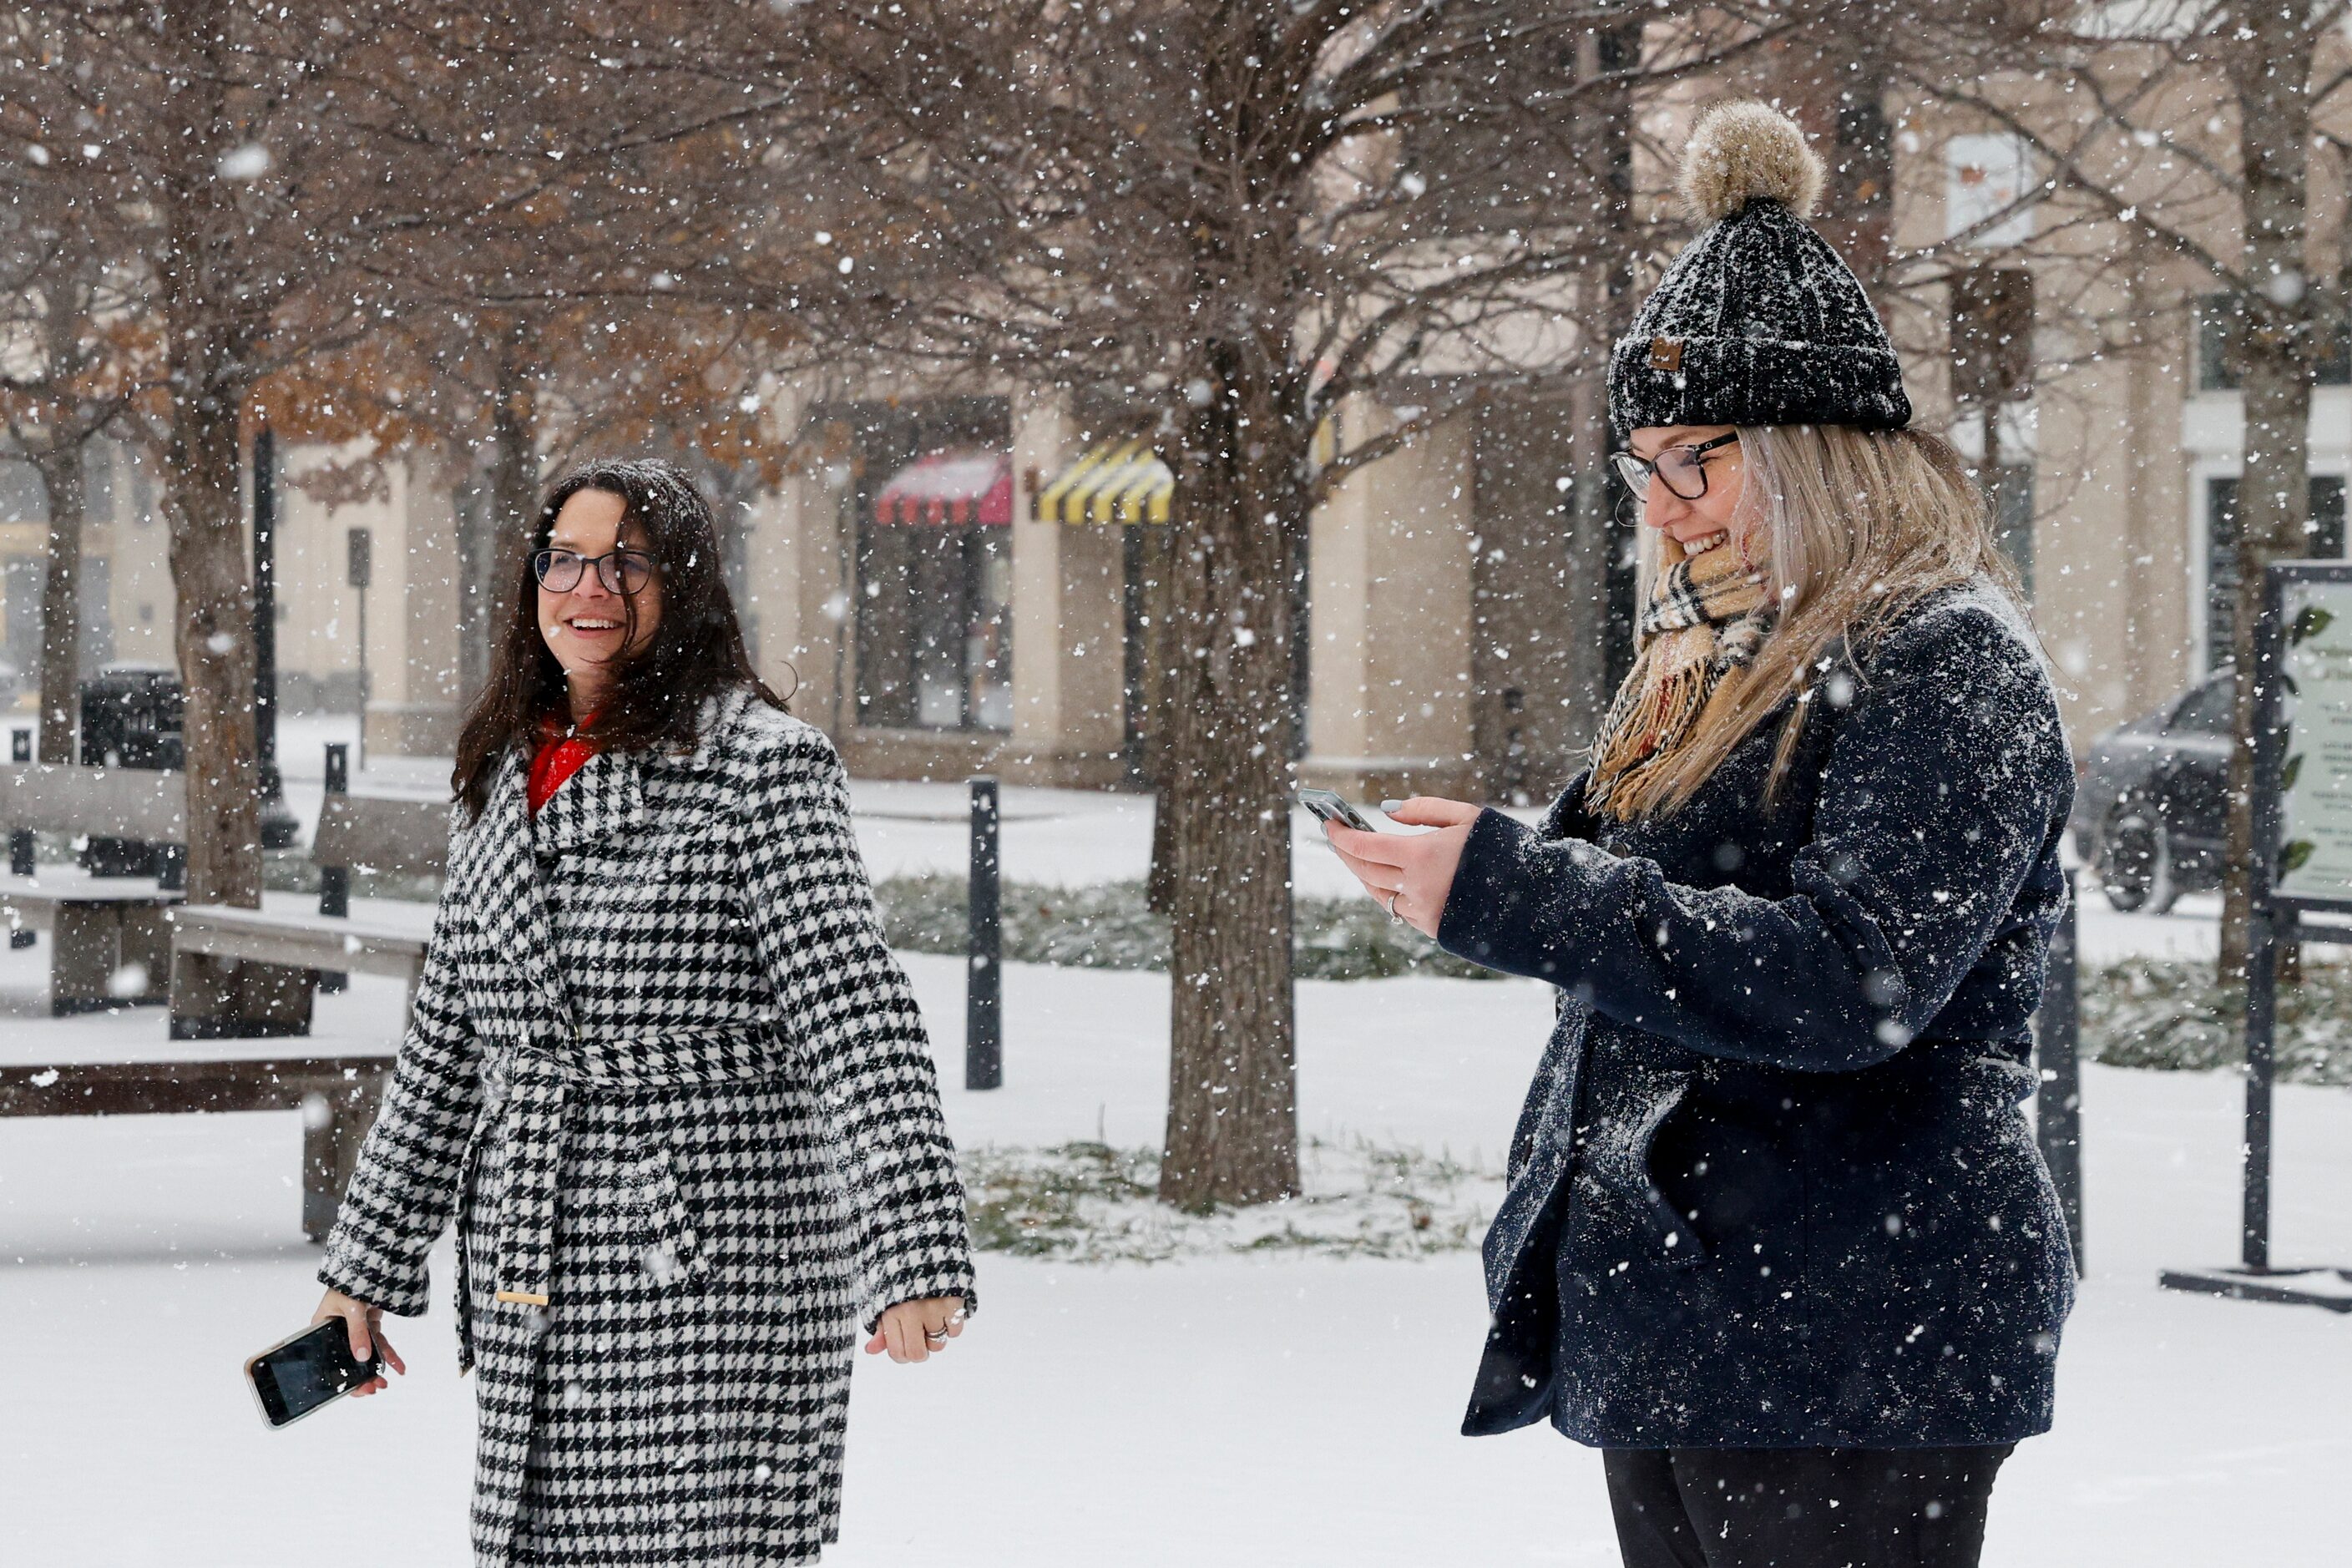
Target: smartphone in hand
<point x="308" y="1371"/>
<point x="1331" y="806"/>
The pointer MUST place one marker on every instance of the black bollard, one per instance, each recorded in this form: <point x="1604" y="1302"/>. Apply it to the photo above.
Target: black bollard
<point x="20" y="864"/>
<point x="335" y="881"/>
<point x="984" y="1026"/>
<point x="20" y="843"/>
<point x="2058" y="1098"/>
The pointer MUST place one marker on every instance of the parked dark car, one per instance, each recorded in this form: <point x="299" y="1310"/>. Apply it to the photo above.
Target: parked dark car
<point x="2149" y="812"/>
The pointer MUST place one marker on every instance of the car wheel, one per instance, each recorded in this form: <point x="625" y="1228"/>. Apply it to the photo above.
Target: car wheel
<point x="2135" y="868"/>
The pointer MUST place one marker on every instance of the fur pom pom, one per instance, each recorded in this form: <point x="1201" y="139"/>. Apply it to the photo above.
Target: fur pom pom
<point x="1740" y="151"/>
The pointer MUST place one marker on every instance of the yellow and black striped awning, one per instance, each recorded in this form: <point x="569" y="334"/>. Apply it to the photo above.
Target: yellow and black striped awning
<point x="1117" y="482"/>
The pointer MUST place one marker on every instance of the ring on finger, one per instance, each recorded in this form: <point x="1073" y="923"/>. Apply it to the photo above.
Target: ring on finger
<point x="1392" y="904"/>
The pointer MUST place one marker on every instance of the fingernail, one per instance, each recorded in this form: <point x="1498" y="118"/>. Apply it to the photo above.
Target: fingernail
<point x="1390" y="807"/>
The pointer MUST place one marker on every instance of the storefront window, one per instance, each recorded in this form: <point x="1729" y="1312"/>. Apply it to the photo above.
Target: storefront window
<point x="935" y="593"/>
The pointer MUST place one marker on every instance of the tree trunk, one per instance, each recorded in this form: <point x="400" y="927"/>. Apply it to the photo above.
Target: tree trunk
<point x="210" y="376"/>
<point x="211" y="337"/>
<point x="60" y="465"/>
<point x="1232" y="1135"/>
<point x="2275" y="489"/>
<point x="215" y="636"/>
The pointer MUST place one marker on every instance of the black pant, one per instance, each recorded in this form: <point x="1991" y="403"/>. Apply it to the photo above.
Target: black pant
<point x="1801" y="1508"/>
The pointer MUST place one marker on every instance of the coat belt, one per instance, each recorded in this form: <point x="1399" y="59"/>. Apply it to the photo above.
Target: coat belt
<point x="545" y="1077"/>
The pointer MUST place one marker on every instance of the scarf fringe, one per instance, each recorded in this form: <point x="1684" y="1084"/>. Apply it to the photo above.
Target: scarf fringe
<point x="1699" y="629"/>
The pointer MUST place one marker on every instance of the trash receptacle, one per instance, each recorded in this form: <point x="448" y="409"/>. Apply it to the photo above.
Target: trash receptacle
<point x="130" y="718"/>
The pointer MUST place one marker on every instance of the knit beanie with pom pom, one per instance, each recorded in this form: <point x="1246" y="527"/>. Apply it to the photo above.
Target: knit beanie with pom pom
<point x="1757" y="322"/>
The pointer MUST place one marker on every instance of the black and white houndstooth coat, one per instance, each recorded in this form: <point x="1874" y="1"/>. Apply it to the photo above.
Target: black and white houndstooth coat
<point x="673" y="1088"/>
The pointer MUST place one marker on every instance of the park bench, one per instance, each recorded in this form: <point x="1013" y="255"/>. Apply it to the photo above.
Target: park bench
<point x="400" y="837"/>
<point x="110" y="944"/>
<point x="337" y="1094"/>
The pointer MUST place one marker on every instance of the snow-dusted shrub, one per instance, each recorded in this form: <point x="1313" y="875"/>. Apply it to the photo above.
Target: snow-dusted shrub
<point x="1107" y="925"/>
<point x="1091" y="1203"/>
<point x="2171" y="1015"/>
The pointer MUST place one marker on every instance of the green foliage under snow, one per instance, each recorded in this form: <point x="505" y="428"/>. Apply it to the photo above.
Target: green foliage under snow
<point x="1107" y="925"/>
<point x="2171" y="1015"/>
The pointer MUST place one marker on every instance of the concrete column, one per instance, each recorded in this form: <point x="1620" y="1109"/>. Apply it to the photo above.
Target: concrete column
<point x="1389" y="708"/>
<point x="1069" y="635"/>
<point x="413" y="614"/>
<point x="145" y="616"/>
<point x="775" y="555"/>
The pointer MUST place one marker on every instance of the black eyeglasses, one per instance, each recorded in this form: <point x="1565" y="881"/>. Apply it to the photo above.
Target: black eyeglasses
<point x="621" y="571"/>
<point x="1684" y="469"/>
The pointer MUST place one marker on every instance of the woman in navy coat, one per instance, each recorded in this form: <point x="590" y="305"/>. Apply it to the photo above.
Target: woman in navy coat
<point x="1777" y="1238"/>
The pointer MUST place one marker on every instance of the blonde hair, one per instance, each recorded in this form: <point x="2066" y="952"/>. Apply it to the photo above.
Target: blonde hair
<point x="1856" y="527"/>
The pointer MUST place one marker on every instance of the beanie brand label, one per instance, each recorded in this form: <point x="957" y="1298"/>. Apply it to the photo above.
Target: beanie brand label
<point x="1665" y="354"/>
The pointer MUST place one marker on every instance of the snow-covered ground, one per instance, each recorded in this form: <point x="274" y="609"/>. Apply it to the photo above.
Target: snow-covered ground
<point x="1262" y="1410"/>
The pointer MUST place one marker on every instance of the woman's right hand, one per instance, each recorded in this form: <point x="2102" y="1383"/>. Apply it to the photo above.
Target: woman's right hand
<point x="365" y="1325"/>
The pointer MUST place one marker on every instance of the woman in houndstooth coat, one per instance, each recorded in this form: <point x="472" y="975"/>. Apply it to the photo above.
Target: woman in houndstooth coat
<point x="662" y="1072"/>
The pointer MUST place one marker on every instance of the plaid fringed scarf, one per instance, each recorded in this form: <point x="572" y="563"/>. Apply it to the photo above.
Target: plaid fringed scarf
<point x="1707" y="617"/>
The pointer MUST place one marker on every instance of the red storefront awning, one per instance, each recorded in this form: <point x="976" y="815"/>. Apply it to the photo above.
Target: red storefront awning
<point x="958" y="485"/>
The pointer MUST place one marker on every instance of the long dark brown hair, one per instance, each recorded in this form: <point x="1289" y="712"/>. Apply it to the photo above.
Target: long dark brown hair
<point x="697" y="649"/>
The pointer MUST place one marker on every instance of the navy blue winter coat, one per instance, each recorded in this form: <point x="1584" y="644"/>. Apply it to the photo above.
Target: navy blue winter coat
<point x="1774" y="1187"/>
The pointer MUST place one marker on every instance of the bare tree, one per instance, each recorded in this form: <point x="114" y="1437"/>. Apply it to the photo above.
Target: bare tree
<point x="1254" y="218"/>
<point x="81" y="366"/>
<point x="78" y="353"/>
<point x="2187" y="126"/>
<point x="304" y="174"/>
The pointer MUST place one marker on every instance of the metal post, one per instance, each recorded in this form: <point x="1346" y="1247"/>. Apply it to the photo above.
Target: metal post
<point x="2263" y="927"/>
<point x="278" y="828"/>
<point x="983" y="1047"/>
<point x="335" y="881"/>
<point x="2058" y="1101"/>
<point x="20" y="864"/>
<point x="2262" y="1021"/>
<point x="359" y="570"/>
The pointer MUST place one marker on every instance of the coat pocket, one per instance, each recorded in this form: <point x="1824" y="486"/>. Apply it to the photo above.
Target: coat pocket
<point x="670" y="1249"/>
<point x="1616" y="1214"/>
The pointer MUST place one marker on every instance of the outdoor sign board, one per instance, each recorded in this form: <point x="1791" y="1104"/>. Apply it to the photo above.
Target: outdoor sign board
<point x="2302" y="865"/>
<point x="2315" y="771"/>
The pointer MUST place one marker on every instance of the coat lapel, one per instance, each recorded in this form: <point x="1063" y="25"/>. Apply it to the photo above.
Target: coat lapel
<point x="515" y="908"/>
<point x="603" y="804"/>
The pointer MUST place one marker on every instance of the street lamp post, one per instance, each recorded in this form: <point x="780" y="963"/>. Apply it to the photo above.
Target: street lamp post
<point x="278" y="828"/>
<point x="359" y="568"/>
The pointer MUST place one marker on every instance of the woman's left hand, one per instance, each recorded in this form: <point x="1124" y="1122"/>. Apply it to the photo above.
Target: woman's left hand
<point x="1409" y="874"/>
<point x="915" y="1330"/>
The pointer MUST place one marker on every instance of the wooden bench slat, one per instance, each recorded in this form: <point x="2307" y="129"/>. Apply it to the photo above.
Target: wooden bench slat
<point x="145" y="804"/>
<point x="314" y="942"/>
<point x="33" y="901"/>
<point x="128" y="1089"/>
<point x="404" y="837"/>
